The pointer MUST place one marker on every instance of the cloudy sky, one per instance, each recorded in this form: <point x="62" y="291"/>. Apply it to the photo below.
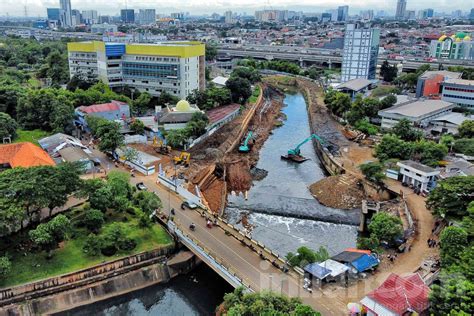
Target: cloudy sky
<point x="112" y="7"/>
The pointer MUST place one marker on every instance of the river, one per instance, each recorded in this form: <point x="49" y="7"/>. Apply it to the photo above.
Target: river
<point x="281" y="207"/>
<point x="198" y="293"/>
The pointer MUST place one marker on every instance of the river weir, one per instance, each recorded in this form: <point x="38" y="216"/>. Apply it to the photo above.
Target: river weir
<point x="282" y="211"/>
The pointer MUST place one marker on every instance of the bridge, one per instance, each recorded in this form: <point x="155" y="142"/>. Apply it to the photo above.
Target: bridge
<point x="325" y="57"/>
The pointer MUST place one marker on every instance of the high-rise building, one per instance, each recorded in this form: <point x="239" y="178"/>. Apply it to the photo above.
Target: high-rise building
<point x="429" y="13"/>
<point x="361" y="46"/>
<point x="410" y="14"/>
<point x="54" y="14"/>
<point x="127" y="15"/>
<point x="367" y="15"/>
<point x="66" y="13"/>
<point x="90" y="17"/>
<point x="76" y="17"/>
<point x="146" y="16"/>
<point x="229" y="19"/>
<point x="326" y="17"/>
<point x="401" y="9"/>
<point x="271" y="15"/>
<point x="343" y="13"/>
<point x="471" y="16"/>
<point x="177" y="68"/>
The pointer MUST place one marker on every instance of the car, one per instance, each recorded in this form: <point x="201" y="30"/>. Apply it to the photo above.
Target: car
<point x="141" y="186"/>
<point x="189" y="204"/>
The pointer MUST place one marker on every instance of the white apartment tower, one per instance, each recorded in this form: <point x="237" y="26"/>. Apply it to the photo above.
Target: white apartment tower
<point x="361" y="46"/>
<point x="401" y="9"/>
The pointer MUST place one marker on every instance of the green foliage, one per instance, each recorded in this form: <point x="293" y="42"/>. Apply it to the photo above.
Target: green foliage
<point x="101" y="198"/>
<point x="453" y="296"/>
<point x="10" y="92"/>
<point x="365" y="127"/>
<point x="464" y="146"/>
<point x="281" y="65"/>
<point x="142" y="103"/>
<point x="119" y="183"/>
<point x="249" y="73"/>
<point x="93" y="245"/>
<point x="210" y="98"/>
<point x="385" y="227"/>
<point x="451" y="196"/>
<point x="5" y="266"/>
<point x="369" y="243"/>
<point x="98" y="93"/>
<point x="388" y="101"/>
<point x="373" y="171"/>
<point x="166" y="98"/>
<point x="114" y="238"/>
<point x="239" y="303"/>
<point x="137" y="127"/>
<point x="176" y="138"/>
<point x="467" y="73"/>
<point x="147" y="201"/>
<point x="240" y="89"/>
<point x="381" y="91"/>
<point x="466" y="129"/>
<point x="362" y="108"/>
<point x="8" y="126"/>
<point x="93" y="220"/>
<point x="447" y="140"/>
<point x="108" y="132"/>
<point x="392" y="147"/>
<point x="48" y="235"/>
<point x="130" y="154"/>
<point x="404" y="130"/>
<point x="337" y="102"/>
<point x="211" y="51"/>
<point x="46" y="109"/>
<point x="305" y="255"/>
<point x="453" y="240"/>
<point x="388" y="72"/>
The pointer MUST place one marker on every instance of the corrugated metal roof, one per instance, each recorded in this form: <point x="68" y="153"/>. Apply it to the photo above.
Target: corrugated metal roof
<point x="104" y="107"/>
<point x="316" y="270"/>
<point x="365" y="262"/>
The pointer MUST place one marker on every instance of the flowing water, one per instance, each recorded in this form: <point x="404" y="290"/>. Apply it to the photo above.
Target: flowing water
<point x="284" y="213"/>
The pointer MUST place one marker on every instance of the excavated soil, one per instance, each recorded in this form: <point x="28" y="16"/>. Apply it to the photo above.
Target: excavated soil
<point x="342" y="192"/>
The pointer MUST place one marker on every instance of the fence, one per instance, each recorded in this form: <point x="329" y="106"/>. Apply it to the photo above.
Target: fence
<point x="82" y="277"/>
<point x="130" y="139"/>
<point x="180" y="190"/>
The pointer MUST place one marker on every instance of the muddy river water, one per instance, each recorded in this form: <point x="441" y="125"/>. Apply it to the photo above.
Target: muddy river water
<point x="281" y="208"/>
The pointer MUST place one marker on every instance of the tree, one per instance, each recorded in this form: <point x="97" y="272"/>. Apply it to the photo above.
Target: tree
<point x="384" y="226"/>
<point x="109" y="135"/>
<point x="101" y="198"/>
<point x="393" y="147"/>
<point x="373" y="171"/>
<point x="388" y="72"/>
<point x="448" y="141"/>
<point x="337" y="102"/>
<point x="142" y="103"/>
<point x="240" y="89"/>
<point x="451" y="196"/>
<point x="176" y="138"/>
<point x="5" y="266"/>
<point x="264" y="303"/>
<point x="454" y="295"/>
<point x="405" y="130"/>
<point x="56" y="68"/>
<point x="466" y="129"/>
<point x="388" y="101"/>
<point x="93" y="220"/>
<point x="464" y="146"/>
<point x="365" y="127"/>
<point x="48" y="235"/>
<point x="10" y="92"/>
<point x="428" y="152"/>
<point x="8" y="126"/>
<point x="166" y="98"/>
<point x="453" y="240"/>
<point x="93" y="245"/>
<point x="305" y="255"/>
<point x="130" y="154"/>
<point x="249" y="73"/>
<point x="211" y="51"/>
<point x="137" y="127"/>
<point x="362" y="108"/>
<point x="119" y="183"/>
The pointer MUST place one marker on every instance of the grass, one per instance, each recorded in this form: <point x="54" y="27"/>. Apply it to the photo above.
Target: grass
<point x="30" y="136"/>
<point x="253" y="98"/>
<point x="32" y="266"/>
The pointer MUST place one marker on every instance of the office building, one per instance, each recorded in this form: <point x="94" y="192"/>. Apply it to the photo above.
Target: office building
<point x="361" y="46"/>
<point x="178" y="16"/>
<point x="229" y="19"/>
<point x="459" y="91"/>
<point x="430" y="82"/>
<point x="471" y="16"/>
<point x="103" y="28"/>
<point x="271" y="15"/>
<point x="66" y="13"/>
<point x="456" y="46"/>
<point x="175" y="67"/>
<point x="90" y="17"/>
<point x="401" y="9"/>
<point x="76" y="17"/>
<point x="367" y="15"/>
<point x="146" y="16"/>
<point x="127" y="16"/>
<point x="410" y="14"/>
<point x="326" y="17"/>
<point x="342" y="13"/>
<point x="54" y="14"/>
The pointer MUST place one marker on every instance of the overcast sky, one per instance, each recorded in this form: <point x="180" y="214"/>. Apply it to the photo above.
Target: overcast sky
<point x="112" y="7"/>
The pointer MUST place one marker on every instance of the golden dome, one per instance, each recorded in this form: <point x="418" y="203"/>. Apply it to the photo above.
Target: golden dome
<point x="183" y="106"/>
<point x="442" y="38"/>
<point x="458" y="39"/>
<point x="467" y="38"/>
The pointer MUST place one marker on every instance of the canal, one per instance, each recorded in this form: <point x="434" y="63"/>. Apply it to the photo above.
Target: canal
<point x="281" y="208"/>
<point x="198" y="293"/>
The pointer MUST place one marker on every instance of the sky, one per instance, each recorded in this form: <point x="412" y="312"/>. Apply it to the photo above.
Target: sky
<point x="112" y="7"/>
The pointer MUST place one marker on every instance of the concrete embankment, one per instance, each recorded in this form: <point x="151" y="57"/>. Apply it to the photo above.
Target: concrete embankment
<point x="98" y="283"/>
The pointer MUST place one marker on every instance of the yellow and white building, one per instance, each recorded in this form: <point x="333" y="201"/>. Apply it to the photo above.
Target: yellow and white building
<point x="175" y="67"/>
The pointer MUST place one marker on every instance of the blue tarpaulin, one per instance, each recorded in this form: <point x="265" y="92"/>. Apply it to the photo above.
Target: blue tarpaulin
<point x="317" y="271"/>
<point x="365" y="262"/>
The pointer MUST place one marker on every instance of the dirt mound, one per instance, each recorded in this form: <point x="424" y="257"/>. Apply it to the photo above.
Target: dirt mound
<point x="342" y="191"/>
<point x="239" y="178"/>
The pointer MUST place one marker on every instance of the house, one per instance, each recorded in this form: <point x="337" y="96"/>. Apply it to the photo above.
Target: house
<point x="430" y="82"/>
<point x="398" y="296"/>
<point x="418" y="175"/>
<point x="357" y="260"/>
<point x="326" y="271"/>
<point x="448" y="123"/>
<point x="114" y="110"/>
<point x="23" y="155"/>
<point x="355" y="86"/>
<point x="420" y="112"/>
<point x="176" y="117"/>
<point x="457" y="167"/>
<point x="220" y="81"/>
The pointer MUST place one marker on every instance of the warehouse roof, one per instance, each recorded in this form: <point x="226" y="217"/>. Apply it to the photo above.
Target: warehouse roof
<point x="418" y="108"/>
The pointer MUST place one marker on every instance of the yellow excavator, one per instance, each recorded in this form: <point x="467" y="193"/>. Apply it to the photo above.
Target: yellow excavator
<point x="183" y="158"/>
<point x="160" y="147"/>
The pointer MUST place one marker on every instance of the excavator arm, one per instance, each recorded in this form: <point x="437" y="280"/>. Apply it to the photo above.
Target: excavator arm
<point x="296" y="150"/>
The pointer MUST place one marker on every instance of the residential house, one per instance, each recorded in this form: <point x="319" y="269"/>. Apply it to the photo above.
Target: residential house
<point x="457" y="167"/>
<point x="398" y="296"/>
<point x="23" y="155"/>
<point x="355" y="86"/>
<point x="357" y="260"/>
<point x="114" y="110"/>
<point x="418" y="175"/>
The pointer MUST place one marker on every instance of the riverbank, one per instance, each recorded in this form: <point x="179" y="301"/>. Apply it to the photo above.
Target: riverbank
<point x="98" y="283"/>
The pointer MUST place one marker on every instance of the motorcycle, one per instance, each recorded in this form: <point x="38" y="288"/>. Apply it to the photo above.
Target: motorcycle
<point x="192" y="227"/>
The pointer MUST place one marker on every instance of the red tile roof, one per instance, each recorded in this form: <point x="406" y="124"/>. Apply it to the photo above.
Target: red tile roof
<point x="24" y="155"/>
<point x="105" y="107"/>
<point x="221" y="112"/>
<point x="400" y="294"/>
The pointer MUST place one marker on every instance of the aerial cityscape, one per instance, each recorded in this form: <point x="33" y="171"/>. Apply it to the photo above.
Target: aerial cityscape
<point x="236" y="158"/>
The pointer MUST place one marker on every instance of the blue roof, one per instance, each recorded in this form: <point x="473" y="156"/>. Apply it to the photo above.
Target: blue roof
<point x="365" y="262"/>
<point x="317" y="271"/>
